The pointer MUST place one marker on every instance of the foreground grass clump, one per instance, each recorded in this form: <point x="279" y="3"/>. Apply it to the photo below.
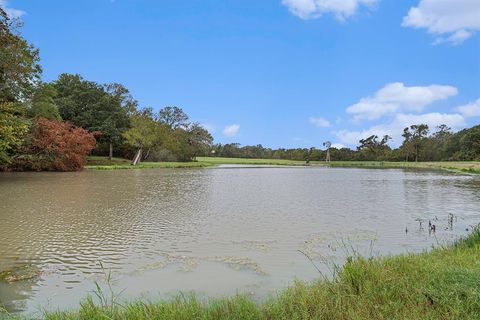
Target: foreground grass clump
<point x="441" y="284"/>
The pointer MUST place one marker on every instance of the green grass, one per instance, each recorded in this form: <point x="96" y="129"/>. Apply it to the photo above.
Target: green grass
<point x="102" y="163"/>
<point x="459" y="166"/>
<point x="150" y="165"/>
<point x="273" y="162"/>
<point x="443" y="283"/>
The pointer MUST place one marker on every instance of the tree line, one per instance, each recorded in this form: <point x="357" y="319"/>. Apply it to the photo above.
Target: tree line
<point x="55" y="125"/>
<point x="419" y="144"/>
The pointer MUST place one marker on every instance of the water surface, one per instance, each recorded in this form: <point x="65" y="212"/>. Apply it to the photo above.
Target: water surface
<point x="215" y="231"/>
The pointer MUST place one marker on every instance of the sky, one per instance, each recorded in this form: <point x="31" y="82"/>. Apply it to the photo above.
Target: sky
<point x="281" y="73"/>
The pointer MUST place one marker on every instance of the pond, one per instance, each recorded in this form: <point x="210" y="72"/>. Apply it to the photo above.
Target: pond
<point x="213" y="231"/>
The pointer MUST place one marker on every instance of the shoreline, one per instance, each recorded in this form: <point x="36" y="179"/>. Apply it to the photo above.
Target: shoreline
<point x="102" y="163"/>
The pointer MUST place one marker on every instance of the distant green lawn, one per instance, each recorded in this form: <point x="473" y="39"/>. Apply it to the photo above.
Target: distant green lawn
<point x="463" y="166"/>
<point x="460" y="166"/>
<point x="279" y="162"/>
<point x="102" y="163"/>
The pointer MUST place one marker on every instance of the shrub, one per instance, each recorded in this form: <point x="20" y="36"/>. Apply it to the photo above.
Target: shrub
<point x="54" y="146"/>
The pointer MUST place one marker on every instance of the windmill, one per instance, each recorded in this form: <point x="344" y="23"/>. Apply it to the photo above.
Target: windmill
<point x="327" y="144"/>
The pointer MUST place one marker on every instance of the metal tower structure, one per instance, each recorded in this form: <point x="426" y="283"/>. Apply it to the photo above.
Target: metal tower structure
<point x="327" y="144"/>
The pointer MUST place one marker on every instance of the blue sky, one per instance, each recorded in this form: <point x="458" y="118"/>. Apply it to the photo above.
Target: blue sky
<point x="281" y="73"/>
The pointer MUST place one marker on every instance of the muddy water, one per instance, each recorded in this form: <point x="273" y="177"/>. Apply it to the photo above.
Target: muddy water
<point x="215" y="231"/>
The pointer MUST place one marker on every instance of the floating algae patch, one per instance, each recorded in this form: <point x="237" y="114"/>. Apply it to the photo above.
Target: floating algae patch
<point x="188" y="264"/>
<point x="239" y="263"/>
<point x="21" y="273"/>
<point x="256" y="245"/>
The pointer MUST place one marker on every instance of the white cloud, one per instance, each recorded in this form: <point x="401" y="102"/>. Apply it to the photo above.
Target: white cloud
<point x="310" y="9"/>
<point x="11" y="12"/>
<point x="338" y="145"/>
<point x="231" y="130"/>
<point x="433" y="119"/>
<point x="396" y="97"/>
<point x="453" y="21"/>
<point x="471" y="109"/>
<point x="319" y="122"/>
<point x="401" y="121"/>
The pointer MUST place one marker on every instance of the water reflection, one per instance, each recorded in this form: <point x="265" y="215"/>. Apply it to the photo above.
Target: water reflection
<point x="215" y="230"/>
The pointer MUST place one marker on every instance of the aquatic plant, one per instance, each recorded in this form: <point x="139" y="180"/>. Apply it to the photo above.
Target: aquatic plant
<point x="20" y="273"/>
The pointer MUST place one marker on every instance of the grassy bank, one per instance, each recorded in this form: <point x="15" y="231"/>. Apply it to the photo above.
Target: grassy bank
<point x="464" y="166"/>
<point x="272" y="162"/>
<point x="103" y="163"/>
<point x="441" y="284"/>
<point x="459" y="166"/>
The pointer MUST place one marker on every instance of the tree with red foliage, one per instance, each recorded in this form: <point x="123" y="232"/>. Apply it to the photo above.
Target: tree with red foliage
<point x="54" y="146"/>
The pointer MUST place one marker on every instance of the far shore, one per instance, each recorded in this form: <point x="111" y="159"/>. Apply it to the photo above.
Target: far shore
<point x="103" y="163"/>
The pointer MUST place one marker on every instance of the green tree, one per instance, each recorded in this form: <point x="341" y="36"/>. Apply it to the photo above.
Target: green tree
<point x="199" y="140"/>
<point x="470" y="144"/>
<point x="95" y="107"/>
<point x="123" y="97"/>
<point x="435" y="146"/>
<point x="144" y="133"/>
<point x="465" y="144"/>
<point x="19" y="74"/>
<point x="119" y="120"/>
<point x="43" y="103"/>
<point x="407" y="146"/>
<point x="413" y="138"/>
<point x="174" y="117"/>
<point x="372" y="149"/>
<point x="19" y="62"/>
<point x="13" y="127"/>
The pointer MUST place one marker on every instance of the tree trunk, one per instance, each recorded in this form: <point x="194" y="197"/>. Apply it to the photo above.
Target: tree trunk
<point x="147" y="154"/>
<point x="137" y="158"/>
<point x="110" y="152"/>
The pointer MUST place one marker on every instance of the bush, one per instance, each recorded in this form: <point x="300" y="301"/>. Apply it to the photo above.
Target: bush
<point x="54" y="146"/>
